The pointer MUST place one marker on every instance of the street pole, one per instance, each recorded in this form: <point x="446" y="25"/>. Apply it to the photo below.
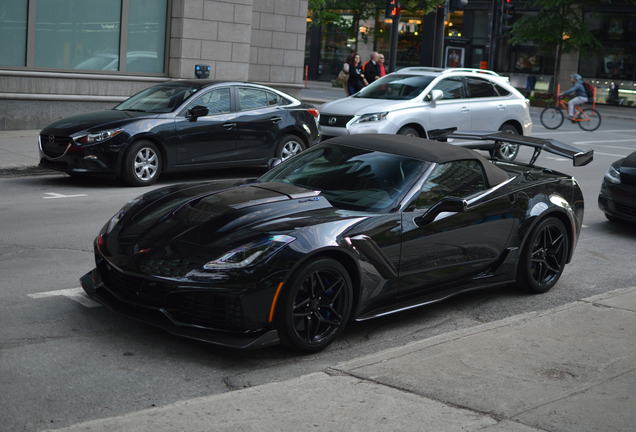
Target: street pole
<point x="492" y="39"/>
<point x="395" y="29"/>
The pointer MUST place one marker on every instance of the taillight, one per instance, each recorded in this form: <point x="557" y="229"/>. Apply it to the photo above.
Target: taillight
<point x="314" y="112"/>
<point x="100" y="242"/>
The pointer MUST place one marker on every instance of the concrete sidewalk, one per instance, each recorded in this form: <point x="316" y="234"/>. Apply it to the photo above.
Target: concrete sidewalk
<point x="572" y="368"/>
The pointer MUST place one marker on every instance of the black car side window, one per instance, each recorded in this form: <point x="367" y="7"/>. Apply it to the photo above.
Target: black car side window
<point x="252" y="98"/>
<point x="459" y="179"/>
<point x="453" y="88"/>
<point x="478" y="88"/>
<point x="217" y="101"/>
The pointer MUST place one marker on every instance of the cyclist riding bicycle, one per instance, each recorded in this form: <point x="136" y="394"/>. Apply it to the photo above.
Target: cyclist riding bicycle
<point x="580" y="94"/>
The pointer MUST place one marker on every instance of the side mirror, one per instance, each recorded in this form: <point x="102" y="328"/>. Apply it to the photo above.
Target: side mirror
<point x="448" y="204"/>
<point x="273" y="162"/>
<point x="196" y="111"/>
<point x="436" y="95"/>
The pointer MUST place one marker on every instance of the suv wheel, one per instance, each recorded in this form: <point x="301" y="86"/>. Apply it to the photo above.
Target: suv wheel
<point x="409" y="131"/>
<point x="508" y="152"/>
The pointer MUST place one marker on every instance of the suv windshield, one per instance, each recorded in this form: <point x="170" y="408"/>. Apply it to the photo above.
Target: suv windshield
<point x="396" y="87"/>
<point x="351" y="178"/>
<point x="158" y="99"/>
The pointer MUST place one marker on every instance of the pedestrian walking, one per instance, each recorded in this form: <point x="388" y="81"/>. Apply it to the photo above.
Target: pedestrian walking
<point x="356" y="77"/>
<point x="371" y="68"/>
<point x="381" y="65"/>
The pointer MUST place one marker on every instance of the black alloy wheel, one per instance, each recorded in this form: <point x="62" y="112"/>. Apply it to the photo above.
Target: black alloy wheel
<point x="289" y="146"/>
<point x="507" y="151"/>
<point x="544" y="256"/>
<point x="316" y="306"/>
<point x="142" y="164"/>
<point x="409" y="131"/>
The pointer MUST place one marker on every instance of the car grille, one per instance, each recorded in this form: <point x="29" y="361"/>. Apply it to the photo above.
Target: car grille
<point x="334" y="120"/>
<point x="54" y="146"/>
<point x="133" y="289"/>
<point x="206" y="309"/>
<point x="622" y="208"/>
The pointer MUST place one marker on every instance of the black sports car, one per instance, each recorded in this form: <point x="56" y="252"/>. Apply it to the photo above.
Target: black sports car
<point x="178" y="126"/>
<point x="355" y="228"/>
<point x="618" y="191"/>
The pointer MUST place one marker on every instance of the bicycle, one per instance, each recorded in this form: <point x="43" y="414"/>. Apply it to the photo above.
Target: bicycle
<point x="588" y="119"/>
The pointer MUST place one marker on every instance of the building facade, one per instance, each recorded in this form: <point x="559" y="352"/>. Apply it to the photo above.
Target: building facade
<point x="61" y="57"/>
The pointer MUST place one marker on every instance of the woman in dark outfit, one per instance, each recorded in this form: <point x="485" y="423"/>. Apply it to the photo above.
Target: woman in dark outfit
<point x="356" y="75"/>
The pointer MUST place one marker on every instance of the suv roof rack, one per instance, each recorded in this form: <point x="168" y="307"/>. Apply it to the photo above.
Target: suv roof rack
<point x="447" y="70"/>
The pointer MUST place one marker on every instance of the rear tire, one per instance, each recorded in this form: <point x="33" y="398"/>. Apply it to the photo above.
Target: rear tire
<point x="409" y="131"/>
<point x="289" y="146"/>
<point x="315" y="306"/>
<point x="551" y="117"/>
<point x="142" y="164"/>
<point x="508" y="152"/>
<point x="544" y="255"/>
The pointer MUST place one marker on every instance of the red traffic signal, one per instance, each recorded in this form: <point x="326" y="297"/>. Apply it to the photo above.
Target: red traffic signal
<point x="392" y="9"/>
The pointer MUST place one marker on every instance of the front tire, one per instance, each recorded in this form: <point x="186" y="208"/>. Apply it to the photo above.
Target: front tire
<point x="289" y="146"/>
<point x="544" y="255"/>
<point x="589" y="120"/>
<point x="506" y="151"/>
<point x="142" y="164"/>
<point x="409" y="131"/>
<point x="316" y="306"/>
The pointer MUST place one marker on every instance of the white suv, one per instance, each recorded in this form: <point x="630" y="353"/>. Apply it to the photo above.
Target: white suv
<point x="415" y="100"/>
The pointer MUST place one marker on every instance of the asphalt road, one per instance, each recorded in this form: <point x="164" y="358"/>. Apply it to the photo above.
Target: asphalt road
<point x="62" y="361"/>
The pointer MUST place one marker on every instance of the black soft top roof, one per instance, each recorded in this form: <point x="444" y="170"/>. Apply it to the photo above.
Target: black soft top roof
<point x="421" y="149"/>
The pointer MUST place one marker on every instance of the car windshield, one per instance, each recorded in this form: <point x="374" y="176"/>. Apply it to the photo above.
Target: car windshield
<point x="351" y="178"/>
<point x="158" y="99"/>
<point x="396" y="87"/>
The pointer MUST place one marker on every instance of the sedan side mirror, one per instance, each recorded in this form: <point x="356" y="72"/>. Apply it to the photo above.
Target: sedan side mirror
<point x="197" y="111"/>
<point x="448" y="204"/>
<point x="273" y="162"/>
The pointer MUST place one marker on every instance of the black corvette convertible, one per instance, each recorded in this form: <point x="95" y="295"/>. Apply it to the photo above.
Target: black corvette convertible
<point x="355" y="228"/>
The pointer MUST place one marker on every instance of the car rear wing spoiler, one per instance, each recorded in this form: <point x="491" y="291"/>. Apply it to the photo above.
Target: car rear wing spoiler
<point x="579" y="157"/>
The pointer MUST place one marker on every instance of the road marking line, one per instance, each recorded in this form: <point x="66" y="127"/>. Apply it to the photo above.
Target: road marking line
<point x="55" y="195"/>
<point x="557" y="158"/>
<point x="585" y="226"/>
<point x="608" y="154"/>
<point x="75" y="294"/>
<point x="580" y="131"/>
<point x="605" y="141"/>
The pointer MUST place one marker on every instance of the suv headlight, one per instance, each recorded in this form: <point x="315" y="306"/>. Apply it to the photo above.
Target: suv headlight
<point x="250" y="253"/>
<point x="97" y="137"/>
<point x="372" y="117"/>
<point x="612" y="175"/>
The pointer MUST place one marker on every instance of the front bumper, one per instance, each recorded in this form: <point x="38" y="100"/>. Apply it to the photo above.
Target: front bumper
<point x="618" y="200"/>
<point x="97" y="290"/>
<point x="98" y="159"/>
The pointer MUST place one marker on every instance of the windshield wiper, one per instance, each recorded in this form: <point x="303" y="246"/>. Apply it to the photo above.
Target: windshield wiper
<point x="133" y="109"/>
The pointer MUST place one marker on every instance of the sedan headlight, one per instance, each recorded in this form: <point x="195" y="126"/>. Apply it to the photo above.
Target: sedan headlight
<point x="97" y="137"/>
<point x="249" y="253"/>
<point x="612" y="175"/>
<point x="372" y="117"/>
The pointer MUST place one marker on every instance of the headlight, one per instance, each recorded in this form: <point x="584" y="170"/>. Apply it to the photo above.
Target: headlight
<point x="612" y="175"/>
<point x="98" y="136"/>
<point x="250" y="253"/>
<point x="372" y="117"/>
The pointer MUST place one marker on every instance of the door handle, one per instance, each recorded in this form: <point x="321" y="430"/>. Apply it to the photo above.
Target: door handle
<point x="501" y="107"/>
<point x="229" y="126"/>
<point x="276" y="119"/>
<point x="464" y="109"/>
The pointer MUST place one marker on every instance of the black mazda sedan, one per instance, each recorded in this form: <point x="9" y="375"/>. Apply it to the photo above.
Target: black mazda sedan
<point x="356" y="227"/>
<point x="178" y="126"/>
<point x="618" y="191"/>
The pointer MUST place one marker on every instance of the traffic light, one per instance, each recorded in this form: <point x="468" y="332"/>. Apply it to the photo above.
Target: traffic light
<point x="507" y="16"/>
<point x="392" y="9"/>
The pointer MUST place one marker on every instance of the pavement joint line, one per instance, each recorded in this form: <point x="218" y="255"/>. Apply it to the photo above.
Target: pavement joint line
<point x="604" y="306"/>
<point x="15" y="245"/>
<point x="574" y="392"/>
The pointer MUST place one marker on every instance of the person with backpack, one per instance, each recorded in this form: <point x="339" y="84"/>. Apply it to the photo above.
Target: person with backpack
<point x="580" y="93"/>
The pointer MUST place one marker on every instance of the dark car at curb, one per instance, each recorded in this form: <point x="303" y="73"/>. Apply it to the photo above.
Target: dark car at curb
<point x="617" y="198"/>
<point x="354" y="228"/>
<point x="181" y="126"/>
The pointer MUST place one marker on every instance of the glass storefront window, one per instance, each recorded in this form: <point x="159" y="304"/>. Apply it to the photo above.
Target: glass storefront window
<point x="146" y="35"/>
<point x="78" y="34"/>
<point x="13" y="31"/>
<point x="409" y="39"/>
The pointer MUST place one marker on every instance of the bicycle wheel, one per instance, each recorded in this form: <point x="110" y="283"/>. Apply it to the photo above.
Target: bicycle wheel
<point x="589" y="119"/>
<point x="551" y="117"/>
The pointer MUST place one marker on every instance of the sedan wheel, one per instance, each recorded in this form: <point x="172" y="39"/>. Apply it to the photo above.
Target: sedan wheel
<point x="142" y="164"/>
<point x="409" y="131"/>
<point x="289" y="146"/>
<point x="316" y="306"/>
<point x="544" y="256"/>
